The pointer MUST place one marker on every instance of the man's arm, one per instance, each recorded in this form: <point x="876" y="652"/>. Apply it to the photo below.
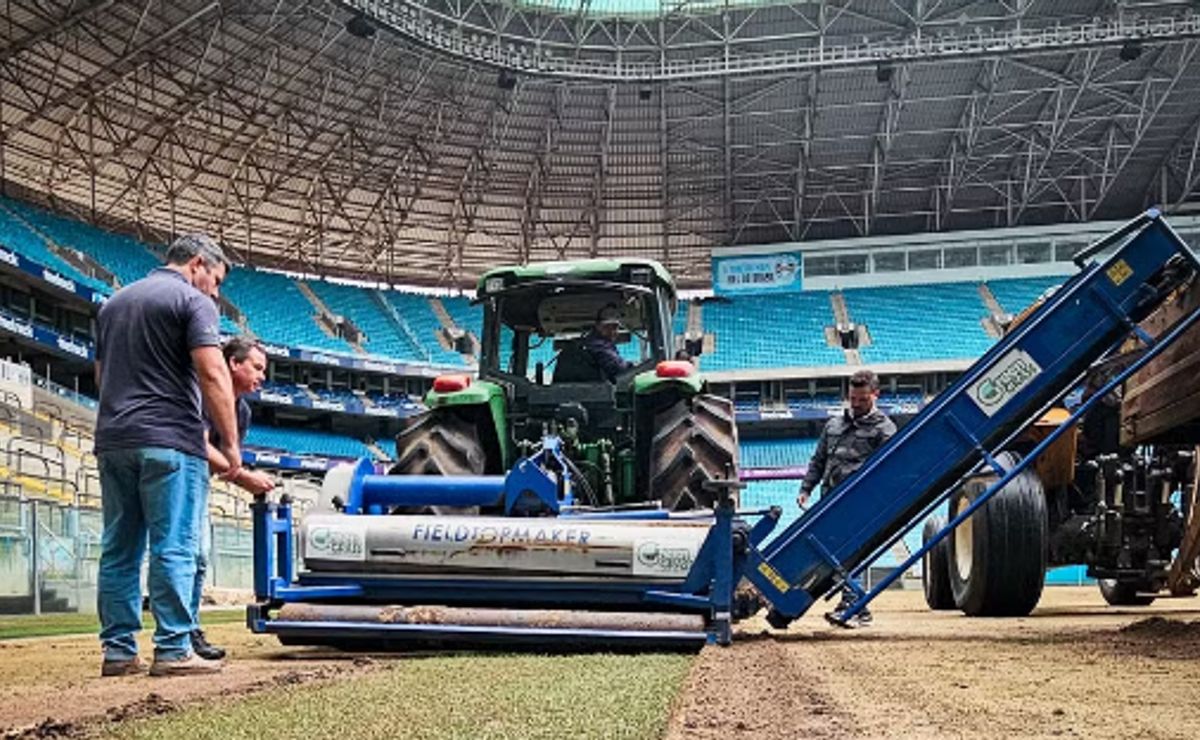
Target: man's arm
<point x="96" y="370"/>
<point x="610" y="361"/>
<point x="217" y="390"/>
<point x="816" y="468"/>
<point x="254" y="481"/>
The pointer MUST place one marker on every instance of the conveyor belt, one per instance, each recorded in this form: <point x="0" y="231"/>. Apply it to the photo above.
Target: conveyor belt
<point x="1027" y="369"/>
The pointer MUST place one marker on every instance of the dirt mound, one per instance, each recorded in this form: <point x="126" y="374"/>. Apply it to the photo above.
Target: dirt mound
<point x="1162" y="628"/>
<point x="49" y="728"/>
<point x="1160" y="637"/>
<point x="150" y="706"/>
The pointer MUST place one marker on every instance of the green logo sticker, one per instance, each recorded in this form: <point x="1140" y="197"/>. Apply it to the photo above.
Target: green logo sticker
<point x="1005" y="379"/>
<point x="330" y="543"/>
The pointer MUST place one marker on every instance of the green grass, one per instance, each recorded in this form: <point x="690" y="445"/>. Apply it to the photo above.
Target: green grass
<point x="458" y="696"/>
<point x="48" y="625"/>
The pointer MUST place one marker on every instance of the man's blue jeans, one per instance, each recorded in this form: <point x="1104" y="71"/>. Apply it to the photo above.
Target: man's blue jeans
<point x="204" y="533"/>
<point x="149" y="492"/>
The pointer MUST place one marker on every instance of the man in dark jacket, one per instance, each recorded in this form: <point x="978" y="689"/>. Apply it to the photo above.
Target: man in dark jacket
<point x="846" y="442"/>
<point x="600" y="344"/>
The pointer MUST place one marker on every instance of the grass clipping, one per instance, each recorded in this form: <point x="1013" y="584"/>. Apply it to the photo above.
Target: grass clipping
<point x="457" y="696"/>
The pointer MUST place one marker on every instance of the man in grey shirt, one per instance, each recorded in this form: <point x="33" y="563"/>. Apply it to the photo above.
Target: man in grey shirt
<point x="846" y="442"/>
<point x="157" y="354"/>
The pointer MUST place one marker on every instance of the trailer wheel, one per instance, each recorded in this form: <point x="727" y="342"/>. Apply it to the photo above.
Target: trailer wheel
<point x="694" y="441"/>
<point x="935" y="568"/>
<point x="998" y="556"/>
<point x="439" y="444"/>
<point x="1125" y="593"/>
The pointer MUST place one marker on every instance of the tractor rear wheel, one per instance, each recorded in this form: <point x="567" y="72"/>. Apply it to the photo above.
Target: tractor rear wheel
<point x="439" y="444"/>
<point x="695" y="441"/>
<point x="998" y="556"/>
<point x="935" y="568"/>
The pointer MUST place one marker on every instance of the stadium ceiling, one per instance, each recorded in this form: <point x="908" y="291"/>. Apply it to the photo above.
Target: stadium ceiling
<point x="423" y="141"/>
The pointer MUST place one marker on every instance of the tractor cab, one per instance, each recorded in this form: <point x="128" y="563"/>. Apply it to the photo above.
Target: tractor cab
<point x="537" y="320"/>
<point x="541" y="342"/>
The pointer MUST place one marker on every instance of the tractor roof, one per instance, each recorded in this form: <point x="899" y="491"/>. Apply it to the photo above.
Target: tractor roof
<point x="632" y="271"/>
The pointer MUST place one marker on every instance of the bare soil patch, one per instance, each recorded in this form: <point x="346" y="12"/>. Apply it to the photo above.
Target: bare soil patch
<point x="1075" y="668"/>
<point x="51" y="687"/>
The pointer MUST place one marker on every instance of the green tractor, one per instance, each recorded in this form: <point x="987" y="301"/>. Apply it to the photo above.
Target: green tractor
<point x="651" y="433"/>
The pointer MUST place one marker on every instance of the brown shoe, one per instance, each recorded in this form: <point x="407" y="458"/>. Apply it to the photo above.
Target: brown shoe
<point x="110" y="668"/>
<point x="192" y="665"/>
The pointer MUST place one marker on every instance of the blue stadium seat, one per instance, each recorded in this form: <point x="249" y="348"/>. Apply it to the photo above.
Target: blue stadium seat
<point x="17" y="236"/>
<point x="306" y="442"/>
<point x="388" y="446"/>
<point x="415" y="310"/>
<point x="909" y="323"/>
<point x="1017" y="294"/>
<point x="277" y="311"/>
<point x="770" y="331"/>
<point x="124" y="256"/>
<point x="384" y="337"/>
<point x="399" y="401"/>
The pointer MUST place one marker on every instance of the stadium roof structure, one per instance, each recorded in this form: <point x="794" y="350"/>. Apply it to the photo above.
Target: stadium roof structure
<point x="424" y="141"/>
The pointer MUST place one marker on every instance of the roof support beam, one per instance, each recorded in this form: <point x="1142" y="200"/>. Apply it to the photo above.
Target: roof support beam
<point x="596" y="210"/>
<point x="1183" y="65"/>
<point x="72" y="19"/>
<point x="963" y="139"/>
<point x="111" y="73"/>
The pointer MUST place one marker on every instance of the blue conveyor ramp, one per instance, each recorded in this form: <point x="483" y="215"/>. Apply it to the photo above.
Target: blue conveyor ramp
<point x="1026" y="371"/>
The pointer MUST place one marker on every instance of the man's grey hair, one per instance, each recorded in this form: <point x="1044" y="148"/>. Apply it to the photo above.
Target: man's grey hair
<point x="191" y="245"/>
<point x="239" y="348"/>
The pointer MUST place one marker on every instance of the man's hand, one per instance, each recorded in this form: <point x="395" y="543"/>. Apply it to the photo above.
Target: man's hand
<point x="233" y="456"/>
<point x="802" y="499"/>
<point x="255" y="481"/>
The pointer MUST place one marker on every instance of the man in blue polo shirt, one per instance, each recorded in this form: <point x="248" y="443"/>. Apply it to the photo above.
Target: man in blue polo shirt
<point x="158" y="355"/>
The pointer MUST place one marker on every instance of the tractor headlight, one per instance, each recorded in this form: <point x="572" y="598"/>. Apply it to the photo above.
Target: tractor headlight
<point x="640" y="275"/>
<point x="493" y="285"/>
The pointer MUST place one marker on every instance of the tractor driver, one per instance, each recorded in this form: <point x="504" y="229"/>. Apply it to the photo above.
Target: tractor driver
<point x="845" y="444"/>
<point x="600" y="343"/>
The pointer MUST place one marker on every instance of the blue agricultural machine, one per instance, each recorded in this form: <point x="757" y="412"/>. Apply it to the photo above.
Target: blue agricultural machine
<point x="529" y="555"/>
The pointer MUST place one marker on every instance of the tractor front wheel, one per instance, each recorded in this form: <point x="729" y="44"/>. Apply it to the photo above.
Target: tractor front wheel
<point x="439" y="443"/>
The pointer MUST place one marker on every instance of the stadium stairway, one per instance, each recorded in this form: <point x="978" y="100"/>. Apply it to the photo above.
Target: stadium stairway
<point x="419" y="316"/>
<point x="325" y="319"/>
<point x="843" y="321"/>
<point x="991" y="322"/>
<point x="410" y="346"/>
<point x="452" y="332"/>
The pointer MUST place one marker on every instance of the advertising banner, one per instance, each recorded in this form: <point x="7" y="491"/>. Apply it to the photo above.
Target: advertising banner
<point x="761" y="273"/>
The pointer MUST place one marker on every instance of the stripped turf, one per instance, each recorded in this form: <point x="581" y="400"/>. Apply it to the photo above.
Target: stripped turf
<point x="454" y="696"/>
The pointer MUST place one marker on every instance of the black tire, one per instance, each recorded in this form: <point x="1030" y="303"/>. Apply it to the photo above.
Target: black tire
<point x="1125" y="593"/>
<point x="695" y="441"/>
<point x="436" y="443"/>
<point x="997" y="558"/>
<point x="935" y="568"/>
